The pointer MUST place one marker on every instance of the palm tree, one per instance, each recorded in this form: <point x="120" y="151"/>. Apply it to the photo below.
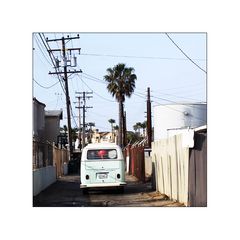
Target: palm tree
<point x="111" y="121"/>
<point x="143" y="126"/>
<point x="137" y="127"/>
<point x="121" y="84"/>
<point x="116" y="128"/>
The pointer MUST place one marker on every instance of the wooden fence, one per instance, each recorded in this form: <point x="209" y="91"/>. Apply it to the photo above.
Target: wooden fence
<point x="60" y="160"/>
<point x="171" y="168"/>
<point x="136" y="164"/>
<point x="180" y="172"/>
<point x="198" y="171"/>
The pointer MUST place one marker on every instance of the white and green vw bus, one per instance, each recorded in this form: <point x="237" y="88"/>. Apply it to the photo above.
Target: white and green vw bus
<point x="102" y="165"/>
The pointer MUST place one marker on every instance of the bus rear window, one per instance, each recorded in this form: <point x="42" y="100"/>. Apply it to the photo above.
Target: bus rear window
<point x="102" y="154"/>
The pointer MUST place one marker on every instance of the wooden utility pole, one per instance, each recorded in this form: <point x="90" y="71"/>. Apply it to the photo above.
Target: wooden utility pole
<point x="67" y="97"/>
<point x="149" y="119"/>
<point x="79" y="120"/>
<point x="84" y="107"/>
<point x="65" y="74"/>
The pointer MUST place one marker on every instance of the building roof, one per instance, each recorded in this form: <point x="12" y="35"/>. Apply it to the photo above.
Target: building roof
<point x="201" y="129"/>
<point x="104" y="133"/>
<point x="54" y="113"/>
<point x="35" y="100"/>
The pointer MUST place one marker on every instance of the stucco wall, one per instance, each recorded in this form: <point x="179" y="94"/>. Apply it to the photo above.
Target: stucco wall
<point x="42" y="178"/>
<point x="52" y="128"/>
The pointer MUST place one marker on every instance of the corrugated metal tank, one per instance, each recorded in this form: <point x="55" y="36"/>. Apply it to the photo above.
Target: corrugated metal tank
<point x="170" y="117"/>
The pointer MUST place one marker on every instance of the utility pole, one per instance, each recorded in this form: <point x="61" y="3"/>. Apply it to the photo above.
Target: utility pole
<point x="84" y="107"/>
<point x="149" y="119"/>
<point x="79" y="120"/>
<point x="65" y="78"/>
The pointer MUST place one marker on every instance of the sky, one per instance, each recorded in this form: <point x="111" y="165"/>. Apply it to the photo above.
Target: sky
<point x="174" y="74"/>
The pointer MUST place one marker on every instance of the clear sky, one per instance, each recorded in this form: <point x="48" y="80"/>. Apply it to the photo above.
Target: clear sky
<point x="158" y="64"/>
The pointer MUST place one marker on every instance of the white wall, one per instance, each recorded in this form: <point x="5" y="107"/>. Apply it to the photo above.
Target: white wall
<point x="42" y="178"/>
<point x="172" y="116"/>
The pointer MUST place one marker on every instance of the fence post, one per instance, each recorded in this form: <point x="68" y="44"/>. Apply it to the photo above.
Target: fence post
<point x="143" y="163"/>
<point x="130" y="158"/>
<point x="133" y="161"/>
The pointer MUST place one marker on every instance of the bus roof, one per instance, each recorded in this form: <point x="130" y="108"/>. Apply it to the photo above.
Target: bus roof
<point x="101" y="145"/>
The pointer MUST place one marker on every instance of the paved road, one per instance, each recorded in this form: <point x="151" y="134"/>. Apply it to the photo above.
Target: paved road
<point x="66" y="193"/>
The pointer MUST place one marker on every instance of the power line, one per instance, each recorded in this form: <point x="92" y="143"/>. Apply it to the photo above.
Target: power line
<point x="40" y="48"/>
<point x="97" y="93"/>
<point x="167" y="100"/>
<point x="46" y="45"/>
<point x="143" y="57"/>
<point x="45" y="86"/>
<point x="94" y="78"/>
<point x="103" y="82"/>
<point x="172" y="96"/>
<point x="169" y="106"/>
<point x="139" y="95"/>
<point x="185" y="53"/>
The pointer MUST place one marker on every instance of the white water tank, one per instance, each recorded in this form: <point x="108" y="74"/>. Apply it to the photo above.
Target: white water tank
<point x="174" y="117"/>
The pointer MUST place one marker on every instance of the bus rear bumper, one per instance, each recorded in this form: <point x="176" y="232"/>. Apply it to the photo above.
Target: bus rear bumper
<point x="103" y="185"/>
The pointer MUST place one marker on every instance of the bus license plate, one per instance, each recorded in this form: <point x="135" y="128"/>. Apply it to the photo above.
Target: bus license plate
<point x="102" y="175"/>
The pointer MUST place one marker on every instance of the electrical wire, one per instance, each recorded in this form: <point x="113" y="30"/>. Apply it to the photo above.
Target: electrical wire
<point x="52" y="59"/>
<point x="171" y="95"/>
<point x="40" y="48"/>
<point x="169" y="106"/>
<point x="106" y="99"/>
<point x="143" y="57"/>
<point x="185" y="53"/>
<point x="45" y="86"/>
<point x="138" y="93"/>
<point x="90" y="77"/>
<point x="94" y="78"/>
<point x="53" y="62"/>
<point x="164" y="99"/>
